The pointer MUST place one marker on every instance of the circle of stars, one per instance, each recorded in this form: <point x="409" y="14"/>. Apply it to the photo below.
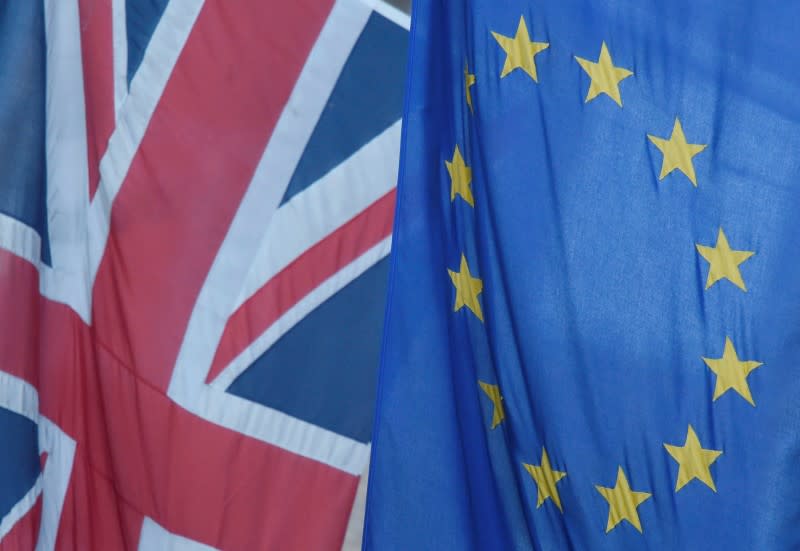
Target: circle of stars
<point x="677" y="155"/>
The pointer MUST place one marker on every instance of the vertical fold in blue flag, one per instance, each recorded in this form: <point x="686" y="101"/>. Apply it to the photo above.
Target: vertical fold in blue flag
<point x="592" y="336"/>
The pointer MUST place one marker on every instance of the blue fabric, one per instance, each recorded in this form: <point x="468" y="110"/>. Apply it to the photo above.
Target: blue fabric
<point x="23" y="186"/>
<point x="141" y="19"/>
<point x="366" y="100"/>
<point x="596" y="313"/>
<point x="19" y="464"/>
<point x="324" y="369"/>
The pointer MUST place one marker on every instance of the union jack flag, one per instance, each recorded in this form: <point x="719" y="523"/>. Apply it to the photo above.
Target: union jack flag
<point x="195" y="213"/>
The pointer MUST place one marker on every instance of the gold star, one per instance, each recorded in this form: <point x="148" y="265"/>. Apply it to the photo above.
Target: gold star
<point x="467" y="289"/>
<point x="724" y="262"/>
<point x="520" y="51"/>
<point x="622" y="502"/>
<point x="493" y="392"/>
<point x="546" y="479"/>
<point x="469" y="80"/>
<point x="694" y="461"/>
<point x="677" y="153"/>
<point x="731" y="372"/>
<point x="605" y="77"/>
<point x="460" y="178"/>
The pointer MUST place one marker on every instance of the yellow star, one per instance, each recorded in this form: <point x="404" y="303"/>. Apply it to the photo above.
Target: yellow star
<point x="493" y="392"/>
<point x="469" y="80"/>
<point x="694" y="461"/>
<point x="724" y="262"/>
<point x="605" y="77"/>
<point x="460" y="178"/>
<point x="546" y="479"/>
<point x="677" y="153"/>
<point x="520" y="51"/>
<point x="732" y="373"/>
<point x="622" y="502"/>
<point x="467" y="289"/>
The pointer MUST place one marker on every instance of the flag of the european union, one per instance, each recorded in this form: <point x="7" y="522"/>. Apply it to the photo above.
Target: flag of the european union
<point x="593" y="331"/>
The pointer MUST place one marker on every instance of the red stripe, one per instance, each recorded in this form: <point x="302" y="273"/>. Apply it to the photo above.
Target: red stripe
<point x="302" y="276"/>
<point x="196" y="159"/>
<point x="97" y="52"/>
<point x="209" y="483"/>
<point x="140" y="454"/>
<point x="19" y="293"/>
<point x="138" y="451"/>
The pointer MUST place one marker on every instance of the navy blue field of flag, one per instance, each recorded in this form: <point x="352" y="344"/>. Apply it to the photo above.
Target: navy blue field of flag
<point x="23" y="190"/>
<point x="592" y="337"/>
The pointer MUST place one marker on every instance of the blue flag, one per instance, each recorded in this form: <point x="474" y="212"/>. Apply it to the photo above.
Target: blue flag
<point x="593" y="331"/>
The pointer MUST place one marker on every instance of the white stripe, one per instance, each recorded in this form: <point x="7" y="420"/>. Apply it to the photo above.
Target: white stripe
<point x="20" y="239"/>
<point x="320" y="209"/>
<point x="272" y="426"/>
<point x="307" y="304"/>
<point x="20" y="397"/>
<point x="146" y="88"/>
<point x="355" y="525"/>
<point x="57" y="473"/>
<point x="218" y="296"/>
<point x="119" y="31"/>
<point x="67" y="161"/>
<point x="311" y="92"/>
<point x="390" y="12"/>
<point x="154" y="536"/>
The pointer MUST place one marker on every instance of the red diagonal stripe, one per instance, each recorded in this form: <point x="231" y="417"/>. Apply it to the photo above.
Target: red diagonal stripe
<point x="185" y="183"/>
<point x="302" y="276"/>
<point x="97" y="53"/>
